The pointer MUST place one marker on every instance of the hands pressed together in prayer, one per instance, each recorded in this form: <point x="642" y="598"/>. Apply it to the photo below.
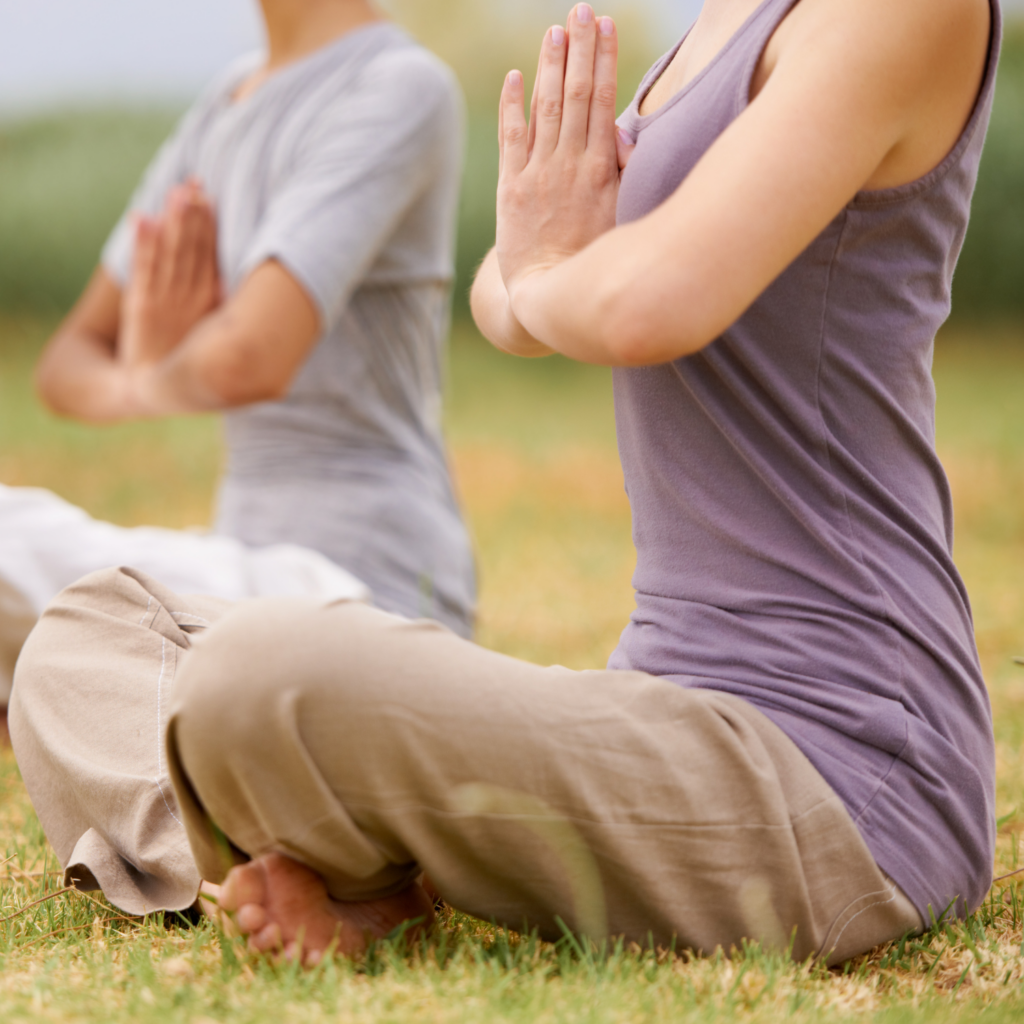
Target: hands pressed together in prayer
<point x="559" y="178"/>
<point x="175" y="280"/>
<point x="171" y="341"/>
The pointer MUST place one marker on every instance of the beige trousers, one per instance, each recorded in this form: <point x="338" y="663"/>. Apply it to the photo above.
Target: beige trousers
<point x="371" y="748"/>
<point x="87" y="719"/>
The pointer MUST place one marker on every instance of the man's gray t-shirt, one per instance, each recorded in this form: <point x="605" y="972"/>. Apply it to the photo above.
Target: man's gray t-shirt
<point x="344" y="167"/>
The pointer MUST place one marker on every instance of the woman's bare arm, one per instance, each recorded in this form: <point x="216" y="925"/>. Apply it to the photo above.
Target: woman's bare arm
<point x="858" y="93"/>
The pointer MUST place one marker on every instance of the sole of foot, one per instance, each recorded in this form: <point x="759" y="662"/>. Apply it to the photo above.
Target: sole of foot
<point x="285" y="909"/>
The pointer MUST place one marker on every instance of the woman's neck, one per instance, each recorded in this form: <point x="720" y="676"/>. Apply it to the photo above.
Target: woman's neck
<point x="719" y="20"/>
<point x="295" y="28"/>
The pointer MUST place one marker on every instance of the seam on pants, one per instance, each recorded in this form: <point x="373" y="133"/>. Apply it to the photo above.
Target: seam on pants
<point x="878" y="903"/>
<point x="419" y="807"/>
<point x="160" y="732"/>
<point x="146" y="612"/>
<point x="830" y="799"/>
<point x="189" y="615"/>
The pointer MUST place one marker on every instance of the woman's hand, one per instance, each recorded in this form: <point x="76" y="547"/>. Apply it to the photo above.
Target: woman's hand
<point x="559" y="178"/>
<point x="175" y="280"/>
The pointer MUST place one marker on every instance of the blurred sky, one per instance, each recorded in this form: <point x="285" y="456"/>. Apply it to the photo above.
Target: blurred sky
<point x="56" y="51"/>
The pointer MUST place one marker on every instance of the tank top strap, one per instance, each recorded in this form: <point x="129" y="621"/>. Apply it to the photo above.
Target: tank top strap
<point x="729" y="72"/>
<point x="748" y="45"/>
<point x="752" y="37"/>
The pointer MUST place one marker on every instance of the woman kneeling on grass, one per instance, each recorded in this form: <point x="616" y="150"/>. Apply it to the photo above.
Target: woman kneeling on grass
<point x="792" y="742"/>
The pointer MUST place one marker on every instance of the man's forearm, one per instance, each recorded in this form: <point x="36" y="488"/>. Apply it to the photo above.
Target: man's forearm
<point x="82" y="378"/>
<point x="245" y="351"/>
<point x="211" y="370"/>
<point x="79" y="377"/>
<point x="172" y="387"/>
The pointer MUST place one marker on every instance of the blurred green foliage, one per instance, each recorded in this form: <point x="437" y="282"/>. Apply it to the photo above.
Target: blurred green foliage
<point x="990" y="276"/>
<point x="64" y="179"/>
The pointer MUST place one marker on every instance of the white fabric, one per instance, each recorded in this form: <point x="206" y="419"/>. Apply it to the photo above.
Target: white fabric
<point x="46" y="544"/>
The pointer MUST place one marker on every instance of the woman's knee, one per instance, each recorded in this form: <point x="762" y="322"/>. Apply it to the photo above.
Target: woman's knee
<point x="234" y="685"/>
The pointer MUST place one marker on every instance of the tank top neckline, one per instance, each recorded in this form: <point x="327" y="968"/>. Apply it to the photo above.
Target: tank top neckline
<point x="640" y="121"/>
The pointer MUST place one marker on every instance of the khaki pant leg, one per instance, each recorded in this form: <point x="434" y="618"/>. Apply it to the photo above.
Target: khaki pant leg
<point x="87" y="716"/>
<point x="369" y="748"/>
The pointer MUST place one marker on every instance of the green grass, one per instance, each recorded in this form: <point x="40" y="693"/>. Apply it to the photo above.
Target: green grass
<point x="534" y="449"/>
<point x="143" y="973"/>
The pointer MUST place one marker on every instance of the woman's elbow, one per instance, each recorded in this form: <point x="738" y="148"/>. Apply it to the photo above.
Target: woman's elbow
<point x="483" y="307"/>
<point x="42" y="382"/>
<point x="637" y="336"/>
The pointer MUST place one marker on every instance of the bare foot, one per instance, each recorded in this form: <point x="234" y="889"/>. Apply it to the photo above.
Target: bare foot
<point x="431" y="890"/>
<point x="284" y="907"/>
<point x="208" y="903"/>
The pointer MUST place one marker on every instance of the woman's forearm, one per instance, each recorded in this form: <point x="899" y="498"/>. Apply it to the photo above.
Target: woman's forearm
<point x="612" y="305"/>
<point x="493" y="314"/>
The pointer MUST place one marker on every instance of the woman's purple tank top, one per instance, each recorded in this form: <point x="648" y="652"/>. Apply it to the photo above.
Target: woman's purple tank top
<point x="793" y="524"/>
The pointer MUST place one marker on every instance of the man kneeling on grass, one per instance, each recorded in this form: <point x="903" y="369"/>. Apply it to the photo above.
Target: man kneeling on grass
<point x="286" y="262"/>
<point x="793" y="741"/>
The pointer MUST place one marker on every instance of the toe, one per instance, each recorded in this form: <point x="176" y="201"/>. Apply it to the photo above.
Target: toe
<point x="244" y="884"/>
<point x="267" y="939"/>
<point x="251" y="918"/>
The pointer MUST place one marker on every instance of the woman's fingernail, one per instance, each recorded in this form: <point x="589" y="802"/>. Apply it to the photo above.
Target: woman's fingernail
<point x="515" y="79"/>
<point x="625" y="138"/>
<point x="584" y="14"/>
<point x="606" y="26"/>
<point x="558" y="35"/>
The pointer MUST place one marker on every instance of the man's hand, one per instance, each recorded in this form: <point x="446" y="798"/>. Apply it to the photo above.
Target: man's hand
<point x="171" y="345"/>
<point x="559" y="178"/>
<point x="175" y="280"/>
